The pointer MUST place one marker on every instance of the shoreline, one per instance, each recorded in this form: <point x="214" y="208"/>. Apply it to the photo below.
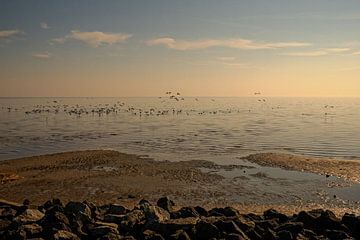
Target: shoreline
<point x="106" y="176"/>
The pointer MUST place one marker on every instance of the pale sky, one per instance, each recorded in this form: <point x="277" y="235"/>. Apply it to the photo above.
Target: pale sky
<point x="200" y="48"/>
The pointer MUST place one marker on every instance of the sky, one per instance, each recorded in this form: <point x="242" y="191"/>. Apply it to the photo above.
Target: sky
<point x="199" y="48"/>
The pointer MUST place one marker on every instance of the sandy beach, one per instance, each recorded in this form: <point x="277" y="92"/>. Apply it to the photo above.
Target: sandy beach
<point x="104" y="176"/>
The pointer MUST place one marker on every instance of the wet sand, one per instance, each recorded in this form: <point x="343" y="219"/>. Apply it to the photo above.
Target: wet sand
<point x="346" y="169"/>
<point x="104" y="176"/>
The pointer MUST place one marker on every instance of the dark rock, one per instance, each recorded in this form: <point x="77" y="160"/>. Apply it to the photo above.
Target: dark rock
<point x="32" y="230"/>
<point x="102" y="229"/>
<point x="228" y="212"/>
<point x="271" y="214"/>
<point x="353" y="223"/>
<point x="328" y="220"/>
<point x="172" y="226"/>
<point x="77" y="208"/>
<point x="252" y="234"/>
<point x="180" y="235"/>
<point x="336" y="234"/>
<point x="185" y="212"/>
<point x="7" y="212"/>
<point x="244" y="224"/>
<point x="269" y="235"/>
<point x="116" y="209"/>
<point x="267" y="224"/>
<point x="234" y="236"/>
<point x="112" y="218"/>
<point x="229" y="226"/>
<point x="306" y="218"/>
<point x="4" y="224"/>
<point x="151" y="235"/>
<point x="111" y="236"/>
<point x="165" y="203"/>
<point x="205" y="230"/>
<point x="285" y="235"/>
<point x="26" y="202"/>
<point x="201" y="211"/>
<point x="293" y="227"/>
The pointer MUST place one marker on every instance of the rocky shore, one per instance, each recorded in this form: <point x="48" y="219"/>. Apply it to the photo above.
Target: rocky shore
<point x="85" y="220"/>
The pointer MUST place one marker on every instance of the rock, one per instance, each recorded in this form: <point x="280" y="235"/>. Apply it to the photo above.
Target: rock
<point x="185" y="212"/>
<point x="4" y="224"/>
<point x="112" y="218"/>
<point x="102" y="229"/>
<point x="269" y="235"/>
<point x="285" y="235"/>
<point x="267" y="224"/>
<point x="111" y="236"/>
<point x="180" y="235"/>
<point x="244" y="224"/>
<point x="201" y="211"/>
<point x="29" y="216"/>
<point x="271" y="214"/>
<point x="229" y="226"/>
<point x="234" y="236"/>
<point x="228" y="212"/>
<point x="54" y="220"/>
<point x="7" y="212"/>
<point x="155" y="214"/>
<point x="65" y="235"/>
<point x="171" y="226"/>
<point x="151" y="235"/>
<point x="116" y="209"/>
<point x="328" y="220"/>
<point x="205" y="230"/>
<point x="353" y="223"/>
<point x="336" y="234"/>
<point x="78" y="207"/>
<point x="306" y="218"/>
<point x="293" y="227"/>
<point x="165" y="203"/>
<point x="32" y="230"/>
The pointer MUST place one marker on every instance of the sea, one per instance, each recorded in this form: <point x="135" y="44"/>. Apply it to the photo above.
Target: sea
<point x="172" y="127"/>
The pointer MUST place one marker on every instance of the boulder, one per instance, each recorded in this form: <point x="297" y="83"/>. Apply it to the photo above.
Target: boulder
<point x="29" y="216"/>
<point x="185" y="212"/>
<point x="65" y="235"/>
<point x="116" y="209"/>
<point x="77" y="208"/>
<point x="272" y="213"/>
<point x="155" y="214"/>
<point x="32" y="230"/>
<point x="205" y="230"/>
<point x="285" y="235"/>
<point x="293" y="227"/>
<point x="166" y="204"/>
<point x="102" y="229"/>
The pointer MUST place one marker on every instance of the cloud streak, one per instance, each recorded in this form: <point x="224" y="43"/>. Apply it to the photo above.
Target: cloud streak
<point x="97" y="38"/>
<point x="44" y="55"/>
<point x="8" y="33"/>
<point x="236" y="43"/>
<point x="318" y="53"/>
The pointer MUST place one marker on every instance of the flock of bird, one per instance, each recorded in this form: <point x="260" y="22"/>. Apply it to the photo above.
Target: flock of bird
<point x="56" y="107"/>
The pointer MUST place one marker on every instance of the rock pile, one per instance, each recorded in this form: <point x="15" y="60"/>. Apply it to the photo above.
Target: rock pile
<point x="84" y="220"/>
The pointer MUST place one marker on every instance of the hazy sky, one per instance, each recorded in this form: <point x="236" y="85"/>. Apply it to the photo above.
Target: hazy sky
<point x="198" y="47"/>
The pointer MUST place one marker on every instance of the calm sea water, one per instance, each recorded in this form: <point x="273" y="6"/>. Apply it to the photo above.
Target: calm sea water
<point x="218" y="129"/>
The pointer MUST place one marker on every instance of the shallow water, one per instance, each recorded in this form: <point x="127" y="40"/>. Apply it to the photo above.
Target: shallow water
<point x="217" y="129"/>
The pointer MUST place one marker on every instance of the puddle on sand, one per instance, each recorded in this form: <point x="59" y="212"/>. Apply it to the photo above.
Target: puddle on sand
<point x="287" y="185"/>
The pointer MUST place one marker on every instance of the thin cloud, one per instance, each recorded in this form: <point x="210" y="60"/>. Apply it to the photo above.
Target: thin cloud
<point x="59" y="40"/>
<point x="236" y="43"/>
<point x="318" y="53"/>
<point x="356" y="53"/>
<point x="44" y="25"/>
<point x="8" y="33"/>
<point x="44" y="55"/>
<point x="97" y="38"/>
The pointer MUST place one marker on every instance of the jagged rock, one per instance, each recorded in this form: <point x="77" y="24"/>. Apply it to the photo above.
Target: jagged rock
<point x="116" y="209"/>
<point x="227" y="212"/>
<point x="32" y="229"/>
<point x="65" y="235"/>
<point x="171" y="226"/>
<point x="78" y="207"/>
<point x="180" y="235"/>
<point x="29" y="216"/>
<point x="293" y="227"/>
<point x="185" y="212"/>
<point x="55" y="220"/>
<point x="353" y="223"/>
<point x="7" y="212"/>
<point x="336" y="234"/>
<point x="4" y="224"/>
<point x="285" y="235"/>
<point x="201" y="211"/>
<point x="166" y="204"/>
<point x="205" y="230"/>
<point x="102" y="229"/>
<point x="272" y="213"/>
<point x="328" y="220"/>
<point x="155" y="214"/>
